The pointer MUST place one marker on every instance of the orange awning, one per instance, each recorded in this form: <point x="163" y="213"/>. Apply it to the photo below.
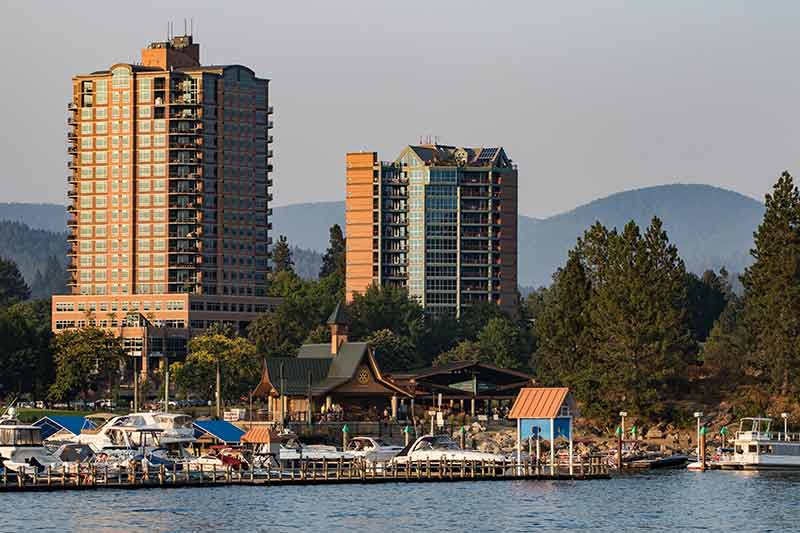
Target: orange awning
<point x="260" y="435"/>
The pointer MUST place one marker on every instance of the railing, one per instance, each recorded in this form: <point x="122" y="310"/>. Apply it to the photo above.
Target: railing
<point x="305" y="471"/>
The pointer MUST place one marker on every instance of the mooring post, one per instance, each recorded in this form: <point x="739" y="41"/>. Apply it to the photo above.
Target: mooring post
<point x="702" y="447"/>
<point x="619" y="448"/>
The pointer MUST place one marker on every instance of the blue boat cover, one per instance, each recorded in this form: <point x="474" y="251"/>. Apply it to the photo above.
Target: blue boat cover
<point x="55" y="423"/>
<point x="219" y="429"/>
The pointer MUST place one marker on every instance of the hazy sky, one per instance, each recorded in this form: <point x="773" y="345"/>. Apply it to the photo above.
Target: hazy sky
<point x="589" y="98"/>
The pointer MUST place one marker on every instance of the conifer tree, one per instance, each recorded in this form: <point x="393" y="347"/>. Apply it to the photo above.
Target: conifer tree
<point x="334" y="259"/>
<point x="772" y="287"/>
<point x="13" y="288"/>
<point x="282" y="256"/>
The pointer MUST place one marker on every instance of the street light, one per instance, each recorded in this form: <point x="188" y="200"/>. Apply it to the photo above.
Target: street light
<point x="785" y="417"/>
<point x="622" y="415"/>
<point x="698" y="415"/>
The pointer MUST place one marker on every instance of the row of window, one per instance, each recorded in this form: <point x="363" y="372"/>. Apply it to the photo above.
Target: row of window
<point x="170" y="305"/>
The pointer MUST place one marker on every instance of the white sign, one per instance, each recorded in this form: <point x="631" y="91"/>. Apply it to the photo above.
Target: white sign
<point x="440" y="419"/>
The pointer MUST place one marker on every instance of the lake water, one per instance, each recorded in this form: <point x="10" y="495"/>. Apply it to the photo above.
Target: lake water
<point x="666" y="500"/>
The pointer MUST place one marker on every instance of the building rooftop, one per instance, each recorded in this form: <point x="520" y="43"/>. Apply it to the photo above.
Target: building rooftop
<point x="444" y="155"/>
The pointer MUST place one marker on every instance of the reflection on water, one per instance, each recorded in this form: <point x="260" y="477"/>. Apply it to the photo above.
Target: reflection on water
<point x="670" y="500"/>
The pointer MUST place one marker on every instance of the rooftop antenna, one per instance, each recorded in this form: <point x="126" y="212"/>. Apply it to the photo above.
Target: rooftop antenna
<point x="185" y="28"/>
<point x="191" y="26"/>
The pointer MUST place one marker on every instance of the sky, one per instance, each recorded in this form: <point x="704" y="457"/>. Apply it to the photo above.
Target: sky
<point x="588" y="98"/>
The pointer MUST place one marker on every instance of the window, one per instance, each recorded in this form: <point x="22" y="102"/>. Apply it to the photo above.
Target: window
<point x="159" y="155"/>
<point x="87" y="158"/>
<point x="159" y="170"/>
<point x="101" y="143"/>
<point x="144" y="141"/>
<point x="101" y="113"/>
<point x="145" y="111"/>
<point x="145" y="171"/>
<point x="101" y="173"/>
<point x="101" y="158"/>
<point x="87" y="143"/>
<point x="86" y="172"/>
<point x="160" y="125"/>
<point x="86" y="128"/>
<point x="101" y="128"/>
<point x="144" y="156"/>
<point x="86" y="187"/>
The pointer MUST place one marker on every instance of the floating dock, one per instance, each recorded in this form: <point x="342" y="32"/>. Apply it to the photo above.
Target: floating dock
<point x="323" y="472"/>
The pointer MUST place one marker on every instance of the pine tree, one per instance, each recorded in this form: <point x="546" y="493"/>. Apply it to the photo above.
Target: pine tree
<point x="282" y="256"/>
<point x="333" y="262"/>
<point x="12" y="285"/>
<point x="639" y="320"/>
<point x="772" y="287"/>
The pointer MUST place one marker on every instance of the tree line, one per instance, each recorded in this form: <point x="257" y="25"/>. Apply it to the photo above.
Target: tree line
<point x="623" y="324"/>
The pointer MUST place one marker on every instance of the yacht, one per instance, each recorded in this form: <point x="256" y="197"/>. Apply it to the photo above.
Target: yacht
<point x="21" y="447"/>
<point x="757" y="447"/>
<point x="140" y="430"/>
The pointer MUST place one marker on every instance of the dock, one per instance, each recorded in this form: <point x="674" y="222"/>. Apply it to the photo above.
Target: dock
<point x="322" y="472"/>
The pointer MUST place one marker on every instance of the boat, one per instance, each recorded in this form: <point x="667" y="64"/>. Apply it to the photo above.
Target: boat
<point x="371" y="449"/>
<point x="677" y="460"/>
<point x="757" y="447"/>
<point x="440" y="447"/>
<point x="292" y="449"/>
<point x="21" y="447"/>
<point x="140" y="430"/>
<point x="222" y="457"/>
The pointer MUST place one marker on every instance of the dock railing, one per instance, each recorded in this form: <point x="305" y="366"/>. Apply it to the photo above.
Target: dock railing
<point x="324" y="471"/>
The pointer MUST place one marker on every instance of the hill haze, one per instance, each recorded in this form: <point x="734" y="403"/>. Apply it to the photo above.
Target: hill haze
<point x="712" y="227"/>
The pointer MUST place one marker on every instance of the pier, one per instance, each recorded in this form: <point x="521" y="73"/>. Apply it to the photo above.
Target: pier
<point x="322" y="472"/>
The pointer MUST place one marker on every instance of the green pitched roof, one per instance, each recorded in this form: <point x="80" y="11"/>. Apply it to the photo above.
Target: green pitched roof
<point x="338" y="316"/>
<point x="327" y="371"/>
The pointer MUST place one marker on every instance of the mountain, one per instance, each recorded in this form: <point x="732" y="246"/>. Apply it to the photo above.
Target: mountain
<point x="49" y="217"/>
<point x="712" y="227"/>
<point x="39" y="254"/>
<point x="306" y="225"/>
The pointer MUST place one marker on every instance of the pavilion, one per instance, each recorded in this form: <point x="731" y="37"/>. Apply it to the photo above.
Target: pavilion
<point x="341" y="380"/>
<point x="473" y="386"/>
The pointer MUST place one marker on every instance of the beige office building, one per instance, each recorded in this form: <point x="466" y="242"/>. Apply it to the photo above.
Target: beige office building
<point x="169" y="217"/>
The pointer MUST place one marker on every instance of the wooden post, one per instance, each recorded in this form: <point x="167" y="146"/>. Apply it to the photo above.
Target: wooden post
<point x="702" y="447"/>
<point x="345" y="436"/>
<point x="619" y="450"/>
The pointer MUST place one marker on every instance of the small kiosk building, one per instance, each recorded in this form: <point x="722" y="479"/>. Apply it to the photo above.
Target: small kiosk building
<point x="544" y="413"/>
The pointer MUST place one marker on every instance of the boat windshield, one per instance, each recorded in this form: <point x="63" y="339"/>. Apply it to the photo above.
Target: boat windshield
<point x="437" y="443"/>
<point x="174" y="422"/>
<point x="20" y="437"/>
<point x="755" y="425"/>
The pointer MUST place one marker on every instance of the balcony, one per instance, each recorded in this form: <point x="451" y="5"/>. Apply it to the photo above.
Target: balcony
<point x="270" y="110"/>
<point x="72" y="165"/>
<point x="72" y="149"/>
<point x="269" y="139"/>
<point x="270" y="124"/>
<point x="185" y="160"/>
<point x="72" y="106"/>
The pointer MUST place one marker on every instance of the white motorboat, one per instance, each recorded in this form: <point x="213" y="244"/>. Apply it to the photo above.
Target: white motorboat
<point x="21" y="448"/>
<point x="371" y="449"/>
<point x="440" y="447"/>
<point x="140" y="430"/>
<point x="292" y="449"/>
<point x="757" y="447"/>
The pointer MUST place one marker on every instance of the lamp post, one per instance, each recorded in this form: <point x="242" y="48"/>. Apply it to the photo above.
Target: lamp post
<point x="622" y="415"/>
<point x="785" y="417"/>
<point x="698" y="415"/>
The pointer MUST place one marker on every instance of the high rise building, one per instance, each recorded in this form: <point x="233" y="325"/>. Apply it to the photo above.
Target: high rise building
<point x="439" y="220"/>
<point x="169" y="189"/>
